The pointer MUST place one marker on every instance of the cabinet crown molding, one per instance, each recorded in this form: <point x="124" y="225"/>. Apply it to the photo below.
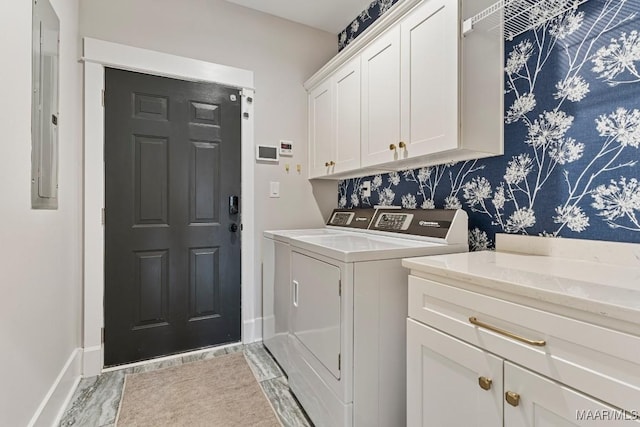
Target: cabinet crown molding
<point x="398" y="11"/>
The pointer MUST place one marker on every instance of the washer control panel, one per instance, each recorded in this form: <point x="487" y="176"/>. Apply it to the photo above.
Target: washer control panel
<point x="342" y="218"/>
<point x="394" y="221"/>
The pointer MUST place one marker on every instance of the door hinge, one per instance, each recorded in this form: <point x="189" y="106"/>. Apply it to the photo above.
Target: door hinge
<point x="102" y="216"/>
<point x="339" y="361"/>
<point x="103" y="97"/>
<point x="340" y="287"/>
<point x="102" y="335"/>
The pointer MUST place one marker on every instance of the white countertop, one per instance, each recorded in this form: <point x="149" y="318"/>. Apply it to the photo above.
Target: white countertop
<point x="600" y="288"/>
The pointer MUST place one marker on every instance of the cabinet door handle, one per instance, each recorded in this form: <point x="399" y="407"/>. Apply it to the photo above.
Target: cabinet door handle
<point x="401" y="144"/>
<point x="512" y="398"/>
<point x="485" y="383"/>
<point x="332" y="163"/>
<point x="537" y="343"/>
<point x="295" y="292"/>
<point x="392" y="147"/>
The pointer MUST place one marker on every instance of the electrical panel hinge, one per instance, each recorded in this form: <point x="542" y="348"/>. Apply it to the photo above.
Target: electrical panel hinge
<point x="102" y="335"/>
<point x="102" y="216"/>
<point x="340" y="287"/>
<point x="103" y="97"/>
<point x="339" y="361"/>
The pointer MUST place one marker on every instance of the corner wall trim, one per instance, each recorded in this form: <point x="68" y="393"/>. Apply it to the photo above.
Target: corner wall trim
<point x="59" y="395"/>
<point x="252" y="330"/>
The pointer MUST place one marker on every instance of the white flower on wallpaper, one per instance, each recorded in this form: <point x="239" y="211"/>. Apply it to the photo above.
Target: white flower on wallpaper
<point x="622" y="125"/>
<point x="550" y="126"/>
<point x="452" y="202"/>
<point x="409" y="201"/>
<point x="355" y="200"/>
<point x="354" y="26"/>
<point x="518" y="168"/>
<point x="566" y="24"/>
<point x="615" y="63"/>
<point x="518" y="57"/>
<point x="385" y="5"/>
<point x="573" y="88"/>
<point x="619" y="202"/>
<point x="478" y="240"/>
<point x="520" y="108"/>
<point x="573" y="217"/>
<point x="520" y="220"/>
<point x="565" y="150"/>
<point x="364" y="15"/>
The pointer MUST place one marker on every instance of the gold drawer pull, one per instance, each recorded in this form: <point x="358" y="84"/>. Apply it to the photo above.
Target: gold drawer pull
<point x="512" y="398"/>
<point x="485" y="383"/>
<point x="392" y="147"/>
<point x="537" y="343"/>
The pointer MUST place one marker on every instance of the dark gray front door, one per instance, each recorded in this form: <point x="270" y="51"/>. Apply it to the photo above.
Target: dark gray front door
<point x="172" y="250"/>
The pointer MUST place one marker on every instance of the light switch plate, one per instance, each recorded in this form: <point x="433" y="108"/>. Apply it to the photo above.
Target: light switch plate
<point x="365" y="189"/>
<point x="274" y="189"/>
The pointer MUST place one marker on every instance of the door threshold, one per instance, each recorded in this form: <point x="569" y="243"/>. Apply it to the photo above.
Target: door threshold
<point x="170" y="357"/>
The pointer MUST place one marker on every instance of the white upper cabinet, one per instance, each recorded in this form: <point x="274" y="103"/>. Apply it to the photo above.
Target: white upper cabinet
<point x="334" y="123"/>
<point x="430" y="89"/>
<point x="321" y="137"/>
<point x="381" y="99"/>
<point x="428" y="95"/>
<point x="347" y="118"/>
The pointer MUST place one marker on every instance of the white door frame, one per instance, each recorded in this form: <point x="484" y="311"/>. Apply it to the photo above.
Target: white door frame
<point x="97" y="55"/>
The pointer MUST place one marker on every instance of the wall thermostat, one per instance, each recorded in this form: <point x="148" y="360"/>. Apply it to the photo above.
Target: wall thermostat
<point x="286" y="148"/>
<point x="267" y="153"/>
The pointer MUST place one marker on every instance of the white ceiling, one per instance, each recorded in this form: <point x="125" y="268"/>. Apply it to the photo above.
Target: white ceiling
<point x="328" y="15"/>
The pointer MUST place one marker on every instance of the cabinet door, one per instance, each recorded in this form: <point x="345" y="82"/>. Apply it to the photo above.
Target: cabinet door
<point x="546" y="403"/>
<point x="347" y="116"/>
<point x="381" y="99"/>
<point x="321" y="129"/>
<point x="430" y="50"/>
<point x="443" y="381"/>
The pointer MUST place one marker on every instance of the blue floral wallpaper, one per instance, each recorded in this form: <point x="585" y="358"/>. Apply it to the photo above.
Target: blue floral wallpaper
<point x="375" y="10"/>
<point x="572" y="138"/>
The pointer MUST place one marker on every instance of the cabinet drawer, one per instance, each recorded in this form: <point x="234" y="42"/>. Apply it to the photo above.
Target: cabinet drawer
<point x="599" y="361"/>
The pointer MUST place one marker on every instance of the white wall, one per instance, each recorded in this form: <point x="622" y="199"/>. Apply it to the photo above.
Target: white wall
<point x="282" y="55"/>
<point x="40" y="252"/>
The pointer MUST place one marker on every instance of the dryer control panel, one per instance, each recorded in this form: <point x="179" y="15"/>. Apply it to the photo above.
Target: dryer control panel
<point x="351" y="218"/>
<point x="417" y="222"/>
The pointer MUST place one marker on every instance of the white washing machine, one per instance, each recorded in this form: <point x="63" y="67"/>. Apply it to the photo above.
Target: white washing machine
<point x="276" y="275"/>
<point x="346" y="350"/>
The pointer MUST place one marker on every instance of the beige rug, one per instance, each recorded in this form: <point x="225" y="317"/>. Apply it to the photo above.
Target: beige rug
<point x="217" y="392"/>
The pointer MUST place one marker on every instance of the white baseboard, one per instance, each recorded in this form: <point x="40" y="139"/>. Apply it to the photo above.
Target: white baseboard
<point x="92" y="361"/>
<point x="252" y="330"/>
<point x="55" y="402"/>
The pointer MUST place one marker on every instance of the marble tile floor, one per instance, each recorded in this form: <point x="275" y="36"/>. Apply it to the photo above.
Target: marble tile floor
<point x="95" y="402"/>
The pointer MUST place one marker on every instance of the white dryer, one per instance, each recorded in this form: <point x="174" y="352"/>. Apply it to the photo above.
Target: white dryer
<point x="346" y="352"/>
<point x="276" y="275"/>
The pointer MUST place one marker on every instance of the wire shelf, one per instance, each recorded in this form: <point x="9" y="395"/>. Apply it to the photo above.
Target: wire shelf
<point x="518" y="16"/>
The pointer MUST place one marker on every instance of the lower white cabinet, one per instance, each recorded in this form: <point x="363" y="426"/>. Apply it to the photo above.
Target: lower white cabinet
<point x="445" y="381"/>
<point x="475" y="360"/>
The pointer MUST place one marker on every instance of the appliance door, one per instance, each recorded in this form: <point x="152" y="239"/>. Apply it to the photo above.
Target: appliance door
<point x="315" y="309"/>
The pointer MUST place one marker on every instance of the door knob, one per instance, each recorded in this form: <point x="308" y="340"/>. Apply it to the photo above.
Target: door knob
<point x="485" y="383"/>
<point x="233" y="227"/>
<point x="512" y="398"/>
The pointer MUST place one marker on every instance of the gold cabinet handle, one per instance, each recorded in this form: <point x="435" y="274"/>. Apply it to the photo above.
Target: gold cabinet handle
<point x="537" y="343"/>
<point x="512" y="398"/>
<point x="401" y="144"/>
<point x="332" y="163"/>
<point x="392" y="147"/>
<point x="327" y="164"/>
<point x="485" y="383"/>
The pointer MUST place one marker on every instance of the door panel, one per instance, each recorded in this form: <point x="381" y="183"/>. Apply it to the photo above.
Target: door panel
<point x="442" y="381"/>
<point x="315" y="317"/>
<point x="430" y="46"/>
<point x="172" y="265"/>
<point x="321" y="137"/>
<point x="347" y="116"/>
<point x="546" y="403"/>
<point x="381" y="99"/>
